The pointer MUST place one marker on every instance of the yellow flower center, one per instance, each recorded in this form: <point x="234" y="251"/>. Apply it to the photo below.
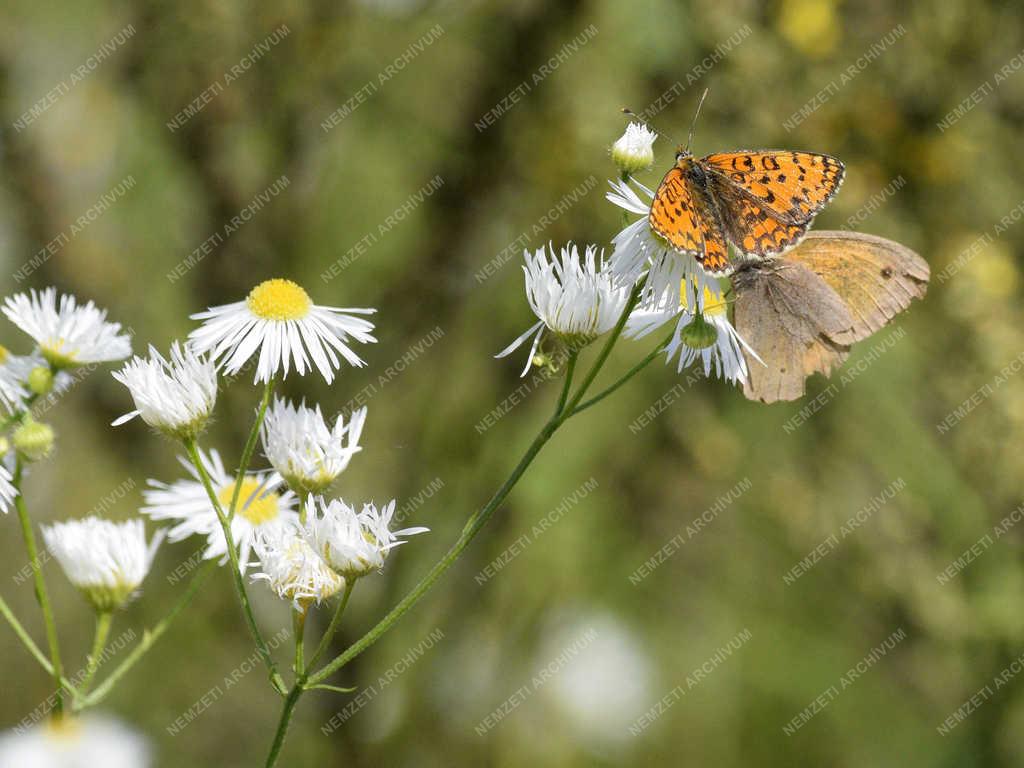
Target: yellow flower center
<point x="4" y="354"/>
<point x="64" y="729"/>
<point x="261" y="509"/>
<point x="279" y="299"/>
<point x="714" y="302"/>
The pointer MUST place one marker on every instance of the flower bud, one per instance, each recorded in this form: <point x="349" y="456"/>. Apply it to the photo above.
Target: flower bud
<point x="699" y="333"/>
<point x="40" y="380"/>
<point x="33" y="440"/>
<point x="633" y="151"/>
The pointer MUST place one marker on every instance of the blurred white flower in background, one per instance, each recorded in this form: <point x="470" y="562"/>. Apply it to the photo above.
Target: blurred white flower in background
<point x="91" y="741"/>
<point x="605" y="684"/>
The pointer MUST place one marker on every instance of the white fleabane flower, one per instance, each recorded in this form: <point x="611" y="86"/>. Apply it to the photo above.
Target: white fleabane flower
<point x="706" y="335"/>
<point x="280" y="320"/>
<point x="8" y="493"/>
<point x="304" y="450"/>
<point x="175" y="396"/>
<point x="634" y="152"/>
<point x="90" y="741"/>
<point x="292" y="569"/>
<point x="576" y="298"/>
<point x="68" y="334"/>
<point x="13" y="375"/>
<point x="639" y="250"/>
<point x="259" y="506"/>
<point x="106" y="561"/>
<point x="352" y="544"/>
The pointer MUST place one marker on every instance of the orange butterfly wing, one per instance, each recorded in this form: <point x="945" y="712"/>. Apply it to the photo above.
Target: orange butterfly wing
<point x="792" y="186"/>
<point x="686" y="218"/>
<point x="752" y="228"/>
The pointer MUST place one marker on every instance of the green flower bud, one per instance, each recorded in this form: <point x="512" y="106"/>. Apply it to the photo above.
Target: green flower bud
<point x="33" y="440"/>
<point x="699" y="334"/>
<point x="40" y="380"/>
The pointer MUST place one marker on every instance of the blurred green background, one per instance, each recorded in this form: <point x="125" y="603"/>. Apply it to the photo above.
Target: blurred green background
<point x="414" y="143"/>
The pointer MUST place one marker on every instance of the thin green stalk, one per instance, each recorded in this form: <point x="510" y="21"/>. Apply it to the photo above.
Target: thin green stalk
<point x="236" y="569"/>
<point x="24" y="636"/>
<point x="570" y="368"/>
<point x="299" y="630"/>
<point x="103" y="620"/>
<point x="149" y="638"/>
<point x="42" y="596"/>
<point x="606" y="350"/>
<point x="478" y="519"/>
<point x="284" y="722"/>
<point x="626" y="377"/>
<point x="250" y="447"/>
<point x="16" y="418"/>
<point x="325" y="641"/>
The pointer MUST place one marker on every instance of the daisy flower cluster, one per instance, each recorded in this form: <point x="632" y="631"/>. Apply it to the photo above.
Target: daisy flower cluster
<point x="578" y="295"/>
<point x="263" y="513"/>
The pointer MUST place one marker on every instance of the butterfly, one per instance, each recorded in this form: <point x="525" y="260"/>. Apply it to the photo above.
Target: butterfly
<point x="801" y="312"/>
<point x="762" y="201"/>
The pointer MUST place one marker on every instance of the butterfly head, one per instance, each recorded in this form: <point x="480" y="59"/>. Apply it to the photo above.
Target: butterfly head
<point x="682" y="153"/>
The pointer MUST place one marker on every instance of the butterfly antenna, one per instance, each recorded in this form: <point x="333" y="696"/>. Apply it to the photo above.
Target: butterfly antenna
<point x="629" y="112"/>
<point x="696" y="114"/>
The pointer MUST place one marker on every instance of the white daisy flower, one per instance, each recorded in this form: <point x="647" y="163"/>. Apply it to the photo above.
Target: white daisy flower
<point x="175" y="396"/>
<point x="8" y="493"/>
<point x="280" y="320"/>
<point x="309" y="455"/>
<point x="634" y="152"/>
<point x="68" y="335"/>
<point x="13" y="375"/>
<point x="638" y="249"/>
<point x="259" y="506"/>
<point x="90" y="741"/>
<point x="706" y="335"/>
<point x="291" y="567"/>
<point x="107" y="561"/>
<point x="353" y="544"/>
<point x="577" y="299"/>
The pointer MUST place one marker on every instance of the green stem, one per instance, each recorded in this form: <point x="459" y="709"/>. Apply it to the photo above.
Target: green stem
<point x="479" y="518"/>
<point x="284" y="722"/>
<point x="299" y="630"/>
<point x="250" y="447"/>
<point x="16" y="418"/>
<point x="103" y="620"/>
<point x="41" y="594"/>
<point x="24" y="636"/>
<point x="236" y="568"/>
<point x="149" y="638"/>
<point x="325" y="641"/>
<point x="570" y="368"/>
<point x="628" y="375"/>
<point x="606" y="350"/>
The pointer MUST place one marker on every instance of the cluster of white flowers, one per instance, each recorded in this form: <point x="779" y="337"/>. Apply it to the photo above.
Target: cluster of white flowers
<point x="279" y="324"/>
<point x="579" y="297"/>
